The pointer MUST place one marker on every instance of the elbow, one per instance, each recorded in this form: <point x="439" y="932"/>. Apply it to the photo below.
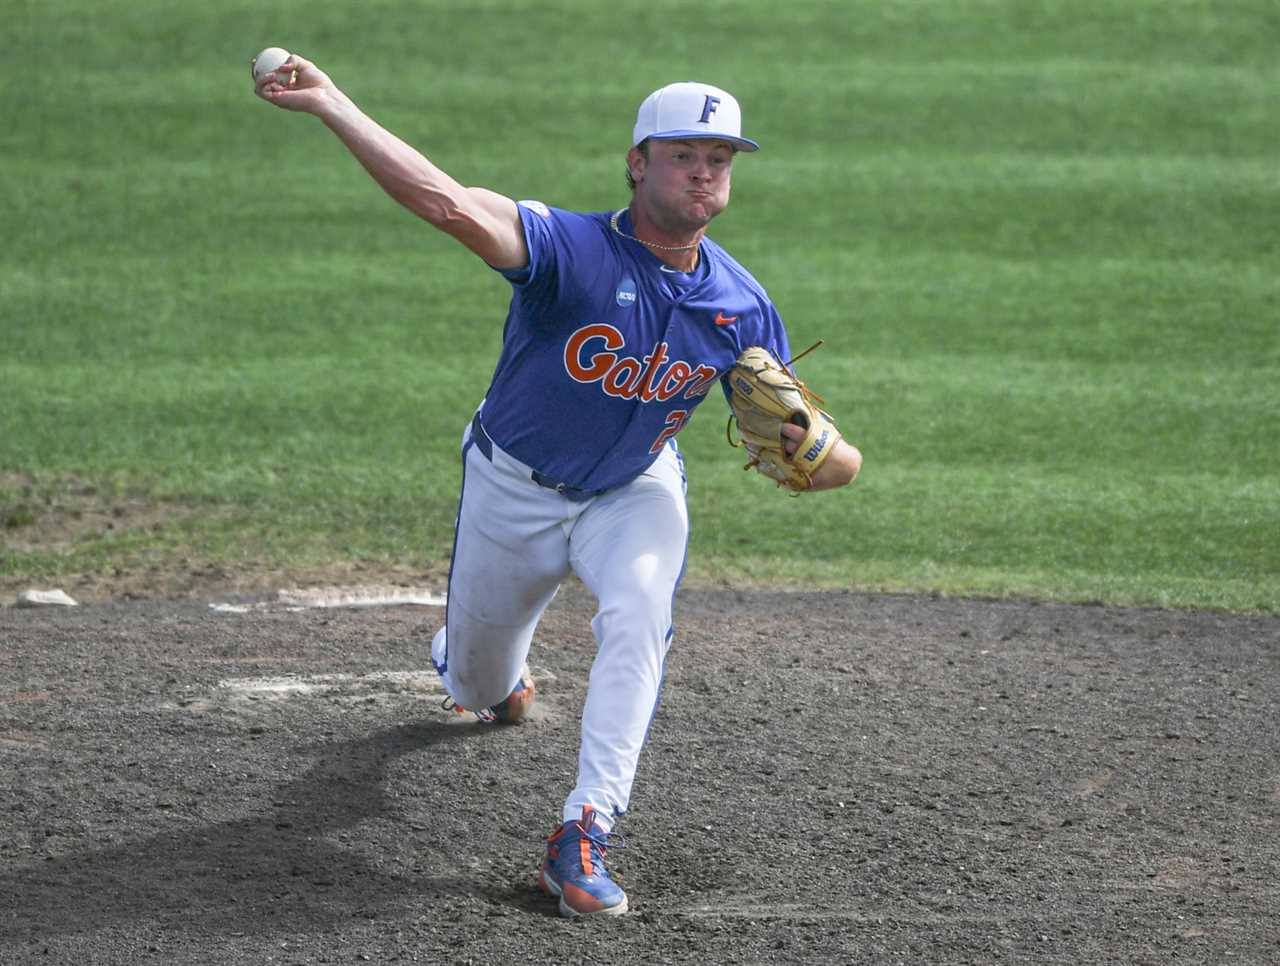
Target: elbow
<point x="446" y="214"/>
<point x="433" y="203"/>
<point x="850" y="466"/>
<point x="461" y="223"/>
<point x="438" y="210"/>
<point x="857" y="463"/>
<point x="840" y="469"/>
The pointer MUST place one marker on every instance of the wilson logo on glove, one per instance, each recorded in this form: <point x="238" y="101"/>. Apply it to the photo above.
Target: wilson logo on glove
<point x="812" y="452"/>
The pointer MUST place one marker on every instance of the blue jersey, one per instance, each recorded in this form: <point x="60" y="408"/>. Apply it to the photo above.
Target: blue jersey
<point x="606" y="350"/>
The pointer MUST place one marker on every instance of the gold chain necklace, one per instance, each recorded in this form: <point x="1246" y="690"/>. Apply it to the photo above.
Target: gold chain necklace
<point x="613" y="223"/>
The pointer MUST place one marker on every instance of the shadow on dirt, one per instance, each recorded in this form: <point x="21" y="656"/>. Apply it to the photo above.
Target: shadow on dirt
<point x="286" y="869"/>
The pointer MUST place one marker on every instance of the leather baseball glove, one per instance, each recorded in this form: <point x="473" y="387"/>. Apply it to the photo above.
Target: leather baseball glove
<point x="764" y="394"/>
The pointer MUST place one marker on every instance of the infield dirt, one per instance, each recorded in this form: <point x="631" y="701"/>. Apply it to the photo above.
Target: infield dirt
<point x="830" y="778"/>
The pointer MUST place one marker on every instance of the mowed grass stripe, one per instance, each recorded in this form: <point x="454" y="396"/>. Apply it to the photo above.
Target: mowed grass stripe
<point x="1038" y="241"/>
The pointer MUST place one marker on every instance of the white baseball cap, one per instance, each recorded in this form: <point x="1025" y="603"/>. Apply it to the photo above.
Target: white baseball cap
<point x="691" y="110"/>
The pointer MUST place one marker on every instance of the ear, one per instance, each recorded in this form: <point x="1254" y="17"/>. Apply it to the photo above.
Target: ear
<point x="636" y="162"/>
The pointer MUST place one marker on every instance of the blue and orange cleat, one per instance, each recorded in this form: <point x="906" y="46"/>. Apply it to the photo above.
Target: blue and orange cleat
<point x="510" y="710"/>
<point x="573" y="868"/>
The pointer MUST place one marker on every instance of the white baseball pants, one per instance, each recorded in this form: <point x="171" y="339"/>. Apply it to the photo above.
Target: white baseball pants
<point x="515" y="542"/>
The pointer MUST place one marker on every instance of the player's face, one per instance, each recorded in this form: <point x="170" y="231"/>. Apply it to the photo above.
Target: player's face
<point x="685" y="184"/>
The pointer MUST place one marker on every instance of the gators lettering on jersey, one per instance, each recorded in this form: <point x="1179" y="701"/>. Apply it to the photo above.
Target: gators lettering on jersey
<point x="606" y="350"/>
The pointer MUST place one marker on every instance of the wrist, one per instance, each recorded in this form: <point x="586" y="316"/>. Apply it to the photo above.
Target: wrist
<point x="334" y="108"/>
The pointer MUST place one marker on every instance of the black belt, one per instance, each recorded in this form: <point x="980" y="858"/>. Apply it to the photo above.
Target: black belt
<point x="572" y="493"/>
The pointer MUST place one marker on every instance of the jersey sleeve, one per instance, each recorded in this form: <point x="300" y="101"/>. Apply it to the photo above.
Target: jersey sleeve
<point x="534" y="216"/>
<point x="563" y="245"/>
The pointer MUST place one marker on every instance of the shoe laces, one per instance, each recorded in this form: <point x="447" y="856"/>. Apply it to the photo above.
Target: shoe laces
<point x="486" y="714"/>
<point x="601" y="842"/>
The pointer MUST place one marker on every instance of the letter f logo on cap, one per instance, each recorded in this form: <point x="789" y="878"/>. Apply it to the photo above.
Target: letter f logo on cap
<point x="690" y="109"/>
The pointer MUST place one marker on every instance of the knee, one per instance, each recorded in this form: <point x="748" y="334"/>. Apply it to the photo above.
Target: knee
<point x="638" y="614"/>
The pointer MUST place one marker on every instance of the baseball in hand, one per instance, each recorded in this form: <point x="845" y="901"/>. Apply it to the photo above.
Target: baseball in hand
<point x="270" y="61"/>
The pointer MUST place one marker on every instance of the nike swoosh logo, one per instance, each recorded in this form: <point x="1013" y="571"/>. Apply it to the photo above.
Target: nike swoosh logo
<point x="721" y="320"/>
<point x="670" y="271"/>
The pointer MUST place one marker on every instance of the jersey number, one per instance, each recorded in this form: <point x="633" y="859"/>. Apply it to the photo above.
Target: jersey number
<point x="675" y="422"/>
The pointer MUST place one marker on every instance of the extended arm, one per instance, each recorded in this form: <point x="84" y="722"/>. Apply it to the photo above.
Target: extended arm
<point x="486" y="222"/>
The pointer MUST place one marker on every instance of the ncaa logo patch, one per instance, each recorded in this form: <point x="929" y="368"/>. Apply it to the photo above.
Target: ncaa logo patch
<point x="626" y="294"/>
<point x="537" y="207"/>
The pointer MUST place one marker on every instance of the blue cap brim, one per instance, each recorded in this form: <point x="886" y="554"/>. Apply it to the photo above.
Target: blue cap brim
<point x="742" y="144"/>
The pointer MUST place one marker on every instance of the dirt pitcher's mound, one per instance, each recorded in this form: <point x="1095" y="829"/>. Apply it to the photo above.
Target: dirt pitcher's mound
<point x="831" y="778"/>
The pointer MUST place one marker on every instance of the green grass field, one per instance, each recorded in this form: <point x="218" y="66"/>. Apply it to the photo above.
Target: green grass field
<point x="1040" y="241"/>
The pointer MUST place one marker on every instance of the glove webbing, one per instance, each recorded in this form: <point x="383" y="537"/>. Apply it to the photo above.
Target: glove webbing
<point x="805" y="391"/>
